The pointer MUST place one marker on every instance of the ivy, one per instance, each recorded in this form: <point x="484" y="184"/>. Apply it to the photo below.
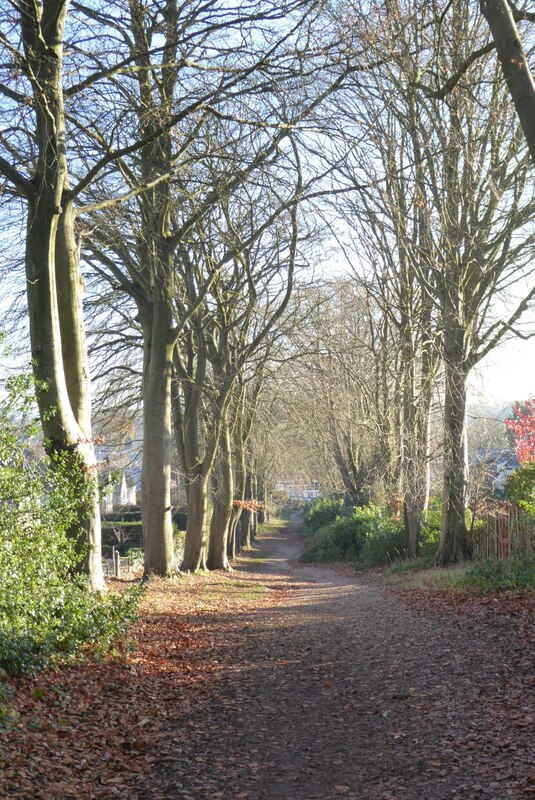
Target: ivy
<point x="46" y="608"/>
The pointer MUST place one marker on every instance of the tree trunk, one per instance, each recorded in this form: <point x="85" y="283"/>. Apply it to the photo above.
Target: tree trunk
<point x="413" y="524"/>
<point x="222" y="513"/>
<point x="54" y="282"/>
<point x="236" y="531"/>
<point x="454" y="545"/>
<point x="231" y="544"/>
<point x="196" y="534"/>
<point x="260" y="493"/>
<point x="246" y="517"/>
<point x="60" y="365"/>
<point x="410" y="435"/>
<point x="415" y="452"/>
<point x="514" y="64"/>
<point x="156" y="468"/>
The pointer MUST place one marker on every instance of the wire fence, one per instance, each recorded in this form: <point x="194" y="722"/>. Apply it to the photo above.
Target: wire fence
<point x="504" y="530"/>
<point x="117" y="566"/>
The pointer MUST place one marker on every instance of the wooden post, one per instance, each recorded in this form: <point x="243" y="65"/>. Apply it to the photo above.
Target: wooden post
<point x="116" y="563"/>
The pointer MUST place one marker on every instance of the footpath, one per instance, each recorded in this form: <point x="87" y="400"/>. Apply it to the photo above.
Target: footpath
<point x="339" y="689"/>
<point x="280" y="681"/>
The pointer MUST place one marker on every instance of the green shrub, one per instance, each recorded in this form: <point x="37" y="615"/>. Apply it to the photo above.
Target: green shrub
<point x="385" y="541"/>
<point x="430" y="534"/>
<point x="321" y="548"/>
<point x="136" y="556"/>
<point x="323" y="512"/>
<point x="520" y="486"/>
<point x="366" y="535"/>
<point x="339" y="541"/>
<point x="46" y="608"/>
<point x="497" y="573"/>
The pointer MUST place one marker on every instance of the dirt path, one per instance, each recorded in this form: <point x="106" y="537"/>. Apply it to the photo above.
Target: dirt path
<point x="338" y="689"/>
<point x="284" y="682"/>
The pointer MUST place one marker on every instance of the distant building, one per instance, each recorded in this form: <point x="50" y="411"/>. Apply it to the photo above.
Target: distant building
<point x="495" y="465"/>
<point x="299" y="491"/>
<point x="117" y="488"/>
<point x="505" y="464"/>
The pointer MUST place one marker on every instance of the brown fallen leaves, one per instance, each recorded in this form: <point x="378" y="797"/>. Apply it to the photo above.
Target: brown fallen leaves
<point x="103" y="729"/>
<point x="508" y="617"/>
<point x="94" y="730"/>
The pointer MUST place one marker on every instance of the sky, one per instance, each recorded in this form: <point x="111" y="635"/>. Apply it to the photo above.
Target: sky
<point x="507" y="374"/>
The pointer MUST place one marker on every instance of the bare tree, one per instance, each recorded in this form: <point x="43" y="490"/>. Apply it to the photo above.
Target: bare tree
<point x="469" y="175"/>
<point x="245" y="257"/>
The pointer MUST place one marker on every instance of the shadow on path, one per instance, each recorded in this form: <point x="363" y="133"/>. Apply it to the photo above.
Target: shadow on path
<point x="337" y="689"/>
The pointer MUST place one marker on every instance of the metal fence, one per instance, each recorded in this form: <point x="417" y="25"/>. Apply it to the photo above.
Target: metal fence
<point x="117" y="565"/>
<point x="503" y="530"/>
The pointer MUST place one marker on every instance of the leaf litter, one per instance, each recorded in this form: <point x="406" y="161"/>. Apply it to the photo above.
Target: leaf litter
<point x="282" y="681"/>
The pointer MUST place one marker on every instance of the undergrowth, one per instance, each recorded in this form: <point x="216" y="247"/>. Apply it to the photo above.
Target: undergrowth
<point x="365" y="535"/>
<point x="46" y="608"/>
<point x="518" y="572"/>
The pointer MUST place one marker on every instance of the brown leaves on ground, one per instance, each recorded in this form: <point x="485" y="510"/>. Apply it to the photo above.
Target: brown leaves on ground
<point x="94" y="729"/>
<point x="512" y="611"/>
<point x="281" y="680"/>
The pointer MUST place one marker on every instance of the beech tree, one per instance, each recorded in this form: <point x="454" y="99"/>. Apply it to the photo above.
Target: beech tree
<point x="212" y="118"/>
<point x="474" y="189"/>
<point x="243" y="254"/>
<point x="33" y="108"/>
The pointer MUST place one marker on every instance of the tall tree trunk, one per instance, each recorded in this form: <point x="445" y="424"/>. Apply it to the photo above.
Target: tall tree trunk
<point x="54" y="282"/>
<point x="186" y="405"/>
<point x="156" y="469"/>
<point x="246" y="517"/>
<point x="410" y="467"/>
<point x="236" y="530"/>
<point x="222" y="512"/>
<point x="60" y="363"/>
<point x="196" y="528"/>
<point x="454" y="545"/>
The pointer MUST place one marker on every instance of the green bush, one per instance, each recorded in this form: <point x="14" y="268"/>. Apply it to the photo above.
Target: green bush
<point x="497" y="573"/>
<point x="385" y="540"/>
<point x="339" y="541"/>
<point x="46" y="608"/>
<point x="520" y="486"/>
<point x="136" y="556"/>
<point x="430" y="532"/>
<point x="367" y="535"/>
<point x="321" y="548"/>
<point x="323" y="512"/>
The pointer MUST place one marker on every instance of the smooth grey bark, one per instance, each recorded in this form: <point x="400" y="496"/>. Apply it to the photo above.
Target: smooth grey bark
<point x="454" y="546"/>
<point x="415" y="433"/>
<point x="159" y="343"/>
<point x="152" y="288"/>
<point x="514" y="64"/>
<point x="254" y="517"/>
<point x="242" y="430"/>
<point x="54" y="282"/>
<point x="197" y="448"/>
<point x="196" y="528"/>
<point x="222" y="504"/>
